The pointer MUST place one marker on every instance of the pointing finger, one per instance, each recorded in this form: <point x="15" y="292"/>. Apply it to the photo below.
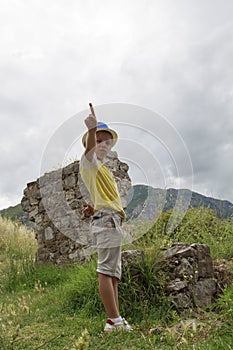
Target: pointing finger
<point x="92" y="109"/>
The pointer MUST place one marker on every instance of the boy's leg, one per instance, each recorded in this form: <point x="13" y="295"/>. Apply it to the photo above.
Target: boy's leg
<point x="109" y="294"/>
<point x="115" y="287"/>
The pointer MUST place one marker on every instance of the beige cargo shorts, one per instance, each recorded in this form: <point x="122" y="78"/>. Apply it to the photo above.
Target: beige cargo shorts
<point x="107" y="235"/>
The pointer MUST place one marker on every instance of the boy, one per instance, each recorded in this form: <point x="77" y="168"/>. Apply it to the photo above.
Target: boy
<point x="107" y="218"/>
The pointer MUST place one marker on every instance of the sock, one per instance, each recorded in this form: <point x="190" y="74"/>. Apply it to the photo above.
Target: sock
<point x="116" y="320"/>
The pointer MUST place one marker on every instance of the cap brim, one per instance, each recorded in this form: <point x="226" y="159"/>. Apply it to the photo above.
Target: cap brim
<point x="112" y="132"/>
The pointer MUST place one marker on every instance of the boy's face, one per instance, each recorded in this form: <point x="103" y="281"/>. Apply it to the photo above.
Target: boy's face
<point x="103" y="144"/>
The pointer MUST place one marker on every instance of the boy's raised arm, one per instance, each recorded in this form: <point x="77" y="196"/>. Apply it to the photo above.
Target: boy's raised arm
<point x="91" y="123"/>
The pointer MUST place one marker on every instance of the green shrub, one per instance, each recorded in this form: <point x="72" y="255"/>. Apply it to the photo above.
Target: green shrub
<point x="225" y="304"/>
<point x="141" y="291"/>
<point x="199" y="225"/>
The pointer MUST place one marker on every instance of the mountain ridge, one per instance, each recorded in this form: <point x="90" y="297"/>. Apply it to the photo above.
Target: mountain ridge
<point x="144" y="200"/>
<point x="149" y="199"/>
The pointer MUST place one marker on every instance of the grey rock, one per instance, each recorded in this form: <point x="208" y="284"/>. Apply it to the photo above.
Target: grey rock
<point x="191" y="275"/>
<point x="48" y="233"/>
<point x="184" y="268"/>
<point x="204" y="291"/>
<point x="130" y="257"/>
<point x="176" y="285"/>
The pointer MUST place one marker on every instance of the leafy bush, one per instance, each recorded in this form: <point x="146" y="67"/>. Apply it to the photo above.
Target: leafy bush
<point x="141" y="291"/>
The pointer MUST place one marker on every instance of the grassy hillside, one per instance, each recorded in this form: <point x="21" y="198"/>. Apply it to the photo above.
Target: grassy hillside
<point x="51" y="307"/>
<point x="16" y="213"/>
<point x="12" y="212"/>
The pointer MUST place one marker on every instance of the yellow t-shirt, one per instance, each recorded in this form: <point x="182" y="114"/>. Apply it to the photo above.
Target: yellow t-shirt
<point x="101" y="185"/>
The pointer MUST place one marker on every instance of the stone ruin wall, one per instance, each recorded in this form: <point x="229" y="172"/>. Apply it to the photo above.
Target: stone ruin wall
<point x="54" y="203"/>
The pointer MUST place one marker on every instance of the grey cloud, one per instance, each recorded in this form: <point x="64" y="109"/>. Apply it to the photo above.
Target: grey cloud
<point x="176" y="59"/>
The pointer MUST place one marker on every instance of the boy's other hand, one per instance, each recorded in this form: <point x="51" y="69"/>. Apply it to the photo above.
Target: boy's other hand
<point x="88" y="211"/>
<point x="91" y="122"/>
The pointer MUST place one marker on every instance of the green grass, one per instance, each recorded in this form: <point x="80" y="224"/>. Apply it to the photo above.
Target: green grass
<point x="51" y="307"/>
<point x="199" y="225"/>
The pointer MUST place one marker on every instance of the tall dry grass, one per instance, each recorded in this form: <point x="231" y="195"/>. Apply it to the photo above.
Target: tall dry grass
<point x="17" y="253"/>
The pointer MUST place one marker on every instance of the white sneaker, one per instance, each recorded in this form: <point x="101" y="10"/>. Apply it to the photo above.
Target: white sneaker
<point x="117" y="326"/>
<point x="126" y="326"/>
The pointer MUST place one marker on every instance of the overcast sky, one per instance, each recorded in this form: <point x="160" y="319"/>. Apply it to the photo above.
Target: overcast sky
<point x="171" y="59"/>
